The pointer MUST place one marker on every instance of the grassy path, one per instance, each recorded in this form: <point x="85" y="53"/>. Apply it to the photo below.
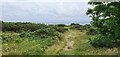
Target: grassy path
<point x="66" y="44"/>
<point x="70" y="40"/>
<point x="75" y="42"/>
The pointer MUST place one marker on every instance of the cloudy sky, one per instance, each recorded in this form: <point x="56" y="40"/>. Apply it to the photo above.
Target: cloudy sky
<point x="45" y="11"/>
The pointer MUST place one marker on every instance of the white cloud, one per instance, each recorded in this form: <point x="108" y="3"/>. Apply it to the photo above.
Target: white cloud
<point x="46" y="12"/>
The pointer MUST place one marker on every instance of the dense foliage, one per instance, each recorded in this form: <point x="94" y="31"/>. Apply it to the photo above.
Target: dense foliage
<point x="27" y="26"/>
<point x="91" y="31"/>
<point x="40" y="33"/>
<point x="19" y="26"/>
<point x="106" y="18"/>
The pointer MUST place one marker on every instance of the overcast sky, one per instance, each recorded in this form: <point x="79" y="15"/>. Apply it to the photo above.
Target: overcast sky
<point x="45" y="11"/>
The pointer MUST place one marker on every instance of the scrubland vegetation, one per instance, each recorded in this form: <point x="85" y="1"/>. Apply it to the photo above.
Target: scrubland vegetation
<point x="43" y="39"/>
<point x="101" y="37"/>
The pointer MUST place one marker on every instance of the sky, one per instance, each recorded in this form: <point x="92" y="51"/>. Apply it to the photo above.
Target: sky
<point x="45" y="11"/>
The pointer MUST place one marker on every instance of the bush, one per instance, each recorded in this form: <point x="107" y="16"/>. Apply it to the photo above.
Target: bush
<point x="61" y="29"/>
<point x="48" y="41"/>
<point x="18" y="40"/>
<point x="91" y="32"/>
<point x="40" y="33"/>
<point x="18" y="26"/>
<point x="46" y="32"/>
<point x="9" y="36"/>
<point x="102" y="41"/>
<point x="80" y="27"/>
<point x="26" y="34"/>
<point x="74" y="24"/>
<point x="108" y="27"/>
<point x="61" y="25"/>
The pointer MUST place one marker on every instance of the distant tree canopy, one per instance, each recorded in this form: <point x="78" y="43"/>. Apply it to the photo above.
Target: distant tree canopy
<point x="106" y="18"/>
<point x="61" y="25"/>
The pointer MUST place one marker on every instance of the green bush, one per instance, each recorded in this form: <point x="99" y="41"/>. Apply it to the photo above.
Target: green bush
<point x="74" y="24"/>
<point x="61" y="29"/>
<point x="61" y="25"/>
<point x="40" y="33"/>
<point x="48" y="41"/>
<point x="91" y="32"/>
<point x="18" y="40"/>
<point x="108" y="26"/>
<point x="46" y="32"/>
<point x="9" y="36"/>
<point x="19" y="26"/>
<point x="26" y="34"/>
<point x="102" y="41"/>
<point x="79" y="27"/>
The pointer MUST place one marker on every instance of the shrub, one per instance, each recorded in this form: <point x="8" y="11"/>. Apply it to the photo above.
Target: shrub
<point x="91" y="32"/>
<point x="9" y="36"/>
<point x="46" y="32"/>
<point x="61" y="29"/>
<point x="40" y="33"/>
<point x="61" y="25"/>
<point x="109" y="27"/>
<point x="26" y="34"/>
<point x="18" y="40"/>
<point x="18" y="26"/>
<point x="102" y="41"/>
<point x="48" y="41"/>
<point x="74" y="24"/>
<point x="78" y="27"/>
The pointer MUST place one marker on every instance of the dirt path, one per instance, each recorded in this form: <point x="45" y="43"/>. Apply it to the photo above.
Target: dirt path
<point x="70" y="42"/>
<point x="66" y="45"/>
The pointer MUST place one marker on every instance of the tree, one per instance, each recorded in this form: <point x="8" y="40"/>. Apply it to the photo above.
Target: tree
<point x="106" y="18"/>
